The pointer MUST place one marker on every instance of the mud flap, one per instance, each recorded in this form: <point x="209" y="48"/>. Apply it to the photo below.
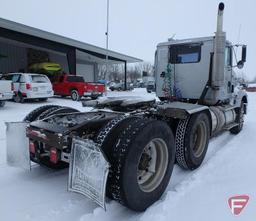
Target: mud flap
<point x="88" y="170"/>
<point x="17" y="145"/>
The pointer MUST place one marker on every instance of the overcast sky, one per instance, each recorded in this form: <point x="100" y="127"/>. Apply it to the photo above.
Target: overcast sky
<point x="136" y="26"/>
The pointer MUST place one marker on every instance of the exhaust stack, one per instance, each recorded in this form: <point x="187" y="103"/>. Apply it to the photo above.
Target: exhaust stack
<point x="219" y="51"/>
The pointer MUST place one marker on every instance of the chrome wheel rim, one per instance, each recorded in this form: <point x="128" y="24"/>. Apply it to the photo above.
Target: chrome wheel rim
<point x="152" y="165"/>
<point x="199" y="139"/>
<point x="74" y="95"/>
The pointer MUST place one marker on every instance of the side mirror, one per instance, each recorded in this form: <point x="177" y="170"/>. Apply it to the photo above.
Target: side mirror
<point x="240" y="64"/>
<point x="244" y="51"/>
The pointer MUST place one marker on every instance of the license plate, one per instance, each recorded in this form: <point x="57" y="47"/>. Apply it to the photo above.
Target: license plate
<point x="88" y="170"/>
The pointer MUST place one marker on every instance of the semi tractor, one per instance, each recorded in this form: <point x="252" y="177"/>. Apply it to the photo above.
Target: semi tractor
<point x="125" y="148"/>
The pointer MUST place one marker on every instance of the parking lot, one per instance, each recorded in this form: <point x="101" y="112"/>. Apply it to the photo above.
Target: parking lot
<point x="33" y="194"/>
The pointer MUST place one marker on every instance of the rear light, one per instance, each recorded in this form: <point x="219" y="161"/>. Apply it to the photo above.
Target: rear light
<point x="85" y="87"/>
<point x="54" y="155"/>
<point x="28" y="86"/>
<point x="32" y="147"/>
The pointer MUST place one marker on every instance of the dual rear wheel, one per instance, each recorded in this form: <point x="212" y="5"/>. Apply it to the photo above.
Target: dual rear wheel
<point x="142" y="155"/>
<point x="191" y="141"/>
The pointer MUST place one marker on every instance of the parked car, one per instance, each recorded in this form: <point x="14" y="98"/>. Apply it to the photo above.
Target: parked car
<point x="139" y="85"/>
<point x="6" y="92"/>
<point x="76" y="87"/>
<point x="29" y="86"/>
<point x="151" y="87"/>
<point x="120" y="87"/>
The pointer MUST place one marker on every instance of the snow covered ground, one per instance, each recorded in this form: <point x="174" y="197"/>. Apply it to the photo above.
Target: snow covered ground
<point x="199" y="195"/>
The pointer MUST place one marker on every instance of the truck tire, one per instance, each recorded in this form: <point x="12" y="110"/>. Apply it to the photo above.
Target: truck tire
<point x="62" y="110"/>
<point x="75" y="95"/>
<point x="141" y="161"/>
<point x="240" y="120"/>
<point x="33" y="115"/>
<point x="191" y="141"/>
<point x="48" y="112"/>
<point x="107" y="137"/>
<point x="2" y="103"/>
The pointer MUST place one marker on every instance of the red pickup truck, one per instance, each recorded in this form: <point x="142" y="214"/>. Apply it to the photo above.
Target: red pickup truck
<point x="76" y="87"/>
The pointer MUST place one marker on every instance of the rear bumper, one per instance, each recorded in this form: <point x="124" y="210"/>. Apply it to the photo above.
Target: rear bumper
<point x="6" y="96"/>
<point x="32" y="95"/>
<point x="93" y="94"/>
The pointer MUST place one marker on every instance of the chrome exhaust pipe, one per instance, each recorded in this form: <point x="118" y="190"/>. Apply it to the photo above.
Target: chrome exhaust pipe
<point x="219" y="52"/>
<point x="220" y="17"/>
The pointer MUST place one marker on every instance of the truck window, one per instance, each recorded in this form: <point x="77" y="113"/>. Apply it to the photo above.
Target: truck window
<point x="75" y="79"/>
<point x="228" y="56"/>
<point x="186" y="53"/>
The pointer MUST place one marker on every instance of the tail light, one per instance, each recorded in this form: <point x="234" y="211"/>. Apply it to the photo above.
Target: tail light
<point x="28" y="86"/>
<point x="54" y="155"/>
<point x="32" y="147"/>
<point x="85" y="87"/>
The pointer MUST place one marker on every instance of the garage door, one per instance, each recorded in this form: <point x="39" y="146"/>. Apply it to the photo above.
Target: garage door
<point x="85" y="70"/>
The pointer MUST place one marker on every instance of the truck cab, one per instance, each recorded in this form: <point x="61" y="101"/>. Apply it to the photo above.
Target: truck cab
<point x="183" y="69"/>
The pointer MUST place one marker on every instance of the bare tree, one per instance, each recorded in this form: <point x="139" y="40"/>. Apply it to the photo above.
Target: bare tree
<point x="134" y="73"/>
<point x="147" y="67"/>
<point x="102" y="70"/>
<point x="116" y="71"/>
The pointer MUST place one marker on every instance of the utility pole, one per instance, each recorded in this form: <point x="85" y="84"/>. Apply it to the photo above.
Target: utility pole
<point x="107" y="42"/>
